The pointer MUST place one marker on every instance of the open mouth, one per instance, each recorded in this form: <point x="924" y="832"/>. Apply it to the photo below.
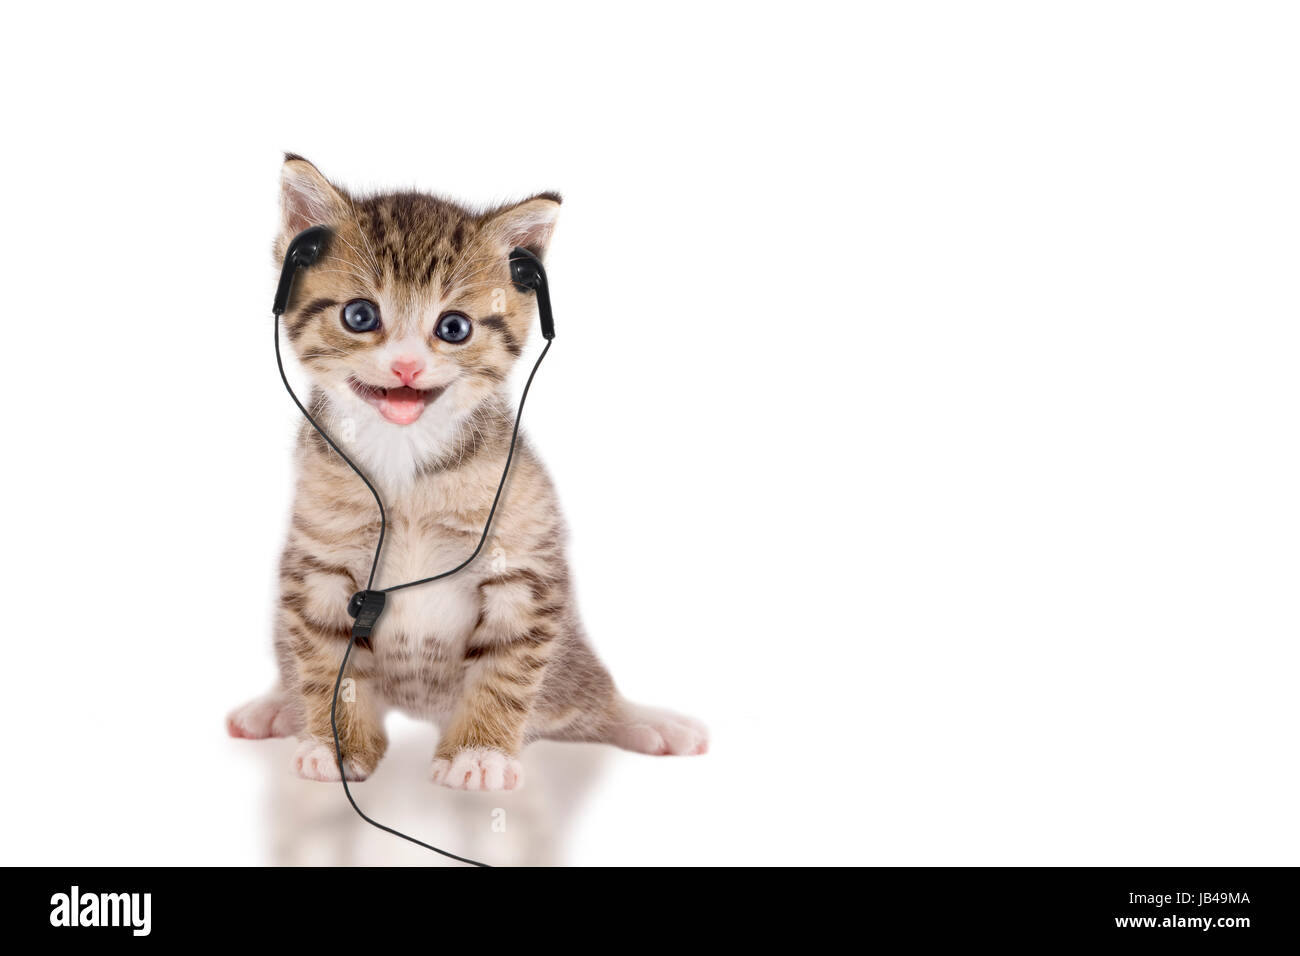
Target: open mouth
<point x="401" y="405"/>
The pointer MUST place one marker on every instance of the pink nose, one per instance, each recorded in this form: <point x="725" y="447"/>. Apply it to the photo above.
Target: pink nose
<point x="407" y="369"/>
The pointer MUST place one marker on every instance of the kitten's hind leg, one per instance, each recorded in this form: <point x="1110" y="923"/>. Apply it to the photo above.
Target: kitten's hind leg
<point x="273" y="715"/>
<point x="651" y="730"/>
<point x="580" y="702"/>
<point x="646" y="730"/>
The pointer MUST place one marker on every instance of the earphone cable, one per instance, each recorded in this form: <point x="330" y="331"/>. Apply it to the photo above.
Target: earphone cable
<point x="374" y="564"/>
<point x="505" y="473"/>
<point x="343" y="775"/>
<point x="383" y="516"/>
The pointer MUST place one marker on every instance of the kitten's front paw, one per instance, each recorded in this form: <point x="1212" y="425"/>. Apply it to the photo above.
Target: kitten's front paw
<point x="269" y="716"/>
<point x="479" y="769"/>
<point x="316" y="760"/>
<point x="649" y="730"/>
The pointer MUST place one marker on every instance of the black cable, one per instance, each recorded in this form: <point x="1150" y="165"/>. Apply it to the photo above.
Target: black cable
<point x="374" y="564"/>
<point x="343" y="774"/>
<point x="500" y="485"/>
<point x="383" y="518"/>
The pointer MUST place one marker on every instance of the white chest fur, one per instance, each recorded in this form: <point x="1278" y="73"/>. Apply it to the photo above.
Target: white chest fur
<point x="441" y="613"/>
<point x="437" y="617"/>
<point x="419" y="642"/>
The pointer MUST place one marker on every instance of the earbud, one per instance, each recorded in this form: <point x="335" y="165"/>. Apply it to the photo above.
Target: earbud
<point x="304" y="249"/>
<point x="526" y="273"/>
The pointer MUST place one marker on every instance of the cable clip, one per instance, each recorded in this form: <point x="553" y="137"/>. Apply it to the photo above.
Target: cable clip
<point x="365" y="607"/>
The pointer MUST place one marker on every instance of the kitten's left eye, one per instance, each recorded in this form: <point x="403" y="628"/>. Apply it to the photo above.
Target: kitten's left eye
<point x="453" y="327"/>
<point x="361" y="315"/>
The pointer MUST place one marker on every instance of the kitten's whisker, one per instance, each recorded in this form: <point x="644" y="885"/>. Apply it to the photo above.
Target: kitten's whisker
<point x="466" y="267"/>
<point x="368" y="258"/>
<point x="342" y="272"/>
<point x="374" y="259"/>
<point x="346" y="262"/>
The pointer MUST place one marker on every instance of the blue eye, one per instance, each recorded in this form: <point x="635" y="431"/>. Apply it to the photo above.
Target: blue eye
<point x="361" y="315"/>
<point x="453" y="327"/>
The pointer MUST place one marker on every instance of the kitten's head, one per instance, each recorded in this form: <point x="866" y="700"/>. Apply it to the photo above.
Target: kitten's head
<point x="408" y="321"/>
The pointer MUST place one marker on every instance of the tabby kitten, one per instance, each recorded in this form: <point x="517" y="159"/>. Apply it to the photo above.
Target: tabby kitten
<point x="408" y="326"/>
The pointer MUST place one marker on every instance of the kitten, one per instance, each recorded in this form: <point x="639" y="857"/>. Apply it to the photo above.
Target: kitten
<point x="408" y="327"/>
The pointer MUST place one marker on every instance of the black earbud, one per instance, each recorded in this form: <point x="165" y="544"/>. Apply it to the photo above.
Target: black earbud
<point x="304" y="249"/>
<point x="526" y="273"/>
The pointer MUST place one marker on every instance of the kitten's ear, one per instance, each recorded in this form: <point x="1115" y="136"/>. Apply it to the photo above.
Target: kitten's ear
<point x="307" y="198"/>
<point x="528" y="224"/>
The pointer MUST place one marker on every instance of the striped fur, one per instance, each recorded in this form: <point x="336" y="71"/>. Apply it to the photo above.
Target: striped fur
<point x="494" y="655"/>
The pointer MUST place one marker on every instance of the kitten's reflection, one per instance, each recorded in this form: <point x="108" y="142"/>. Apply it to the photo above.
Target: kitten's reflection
<point x="311" y="824"/>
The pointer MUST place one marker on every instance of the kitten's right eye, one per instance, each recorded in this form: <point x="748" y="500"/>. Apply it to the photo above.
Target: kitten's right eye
<point x="361" y="315"/>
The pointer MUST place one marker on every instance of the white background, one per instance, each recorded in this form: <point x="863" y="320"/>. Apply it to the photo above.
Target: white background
<point x="923" y="408"/>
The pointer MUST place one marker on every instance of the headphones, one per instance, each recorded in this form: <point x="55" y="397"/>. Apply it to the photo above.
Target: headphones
<point x="526" y="273"/>
<point x="365" y="607"/>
